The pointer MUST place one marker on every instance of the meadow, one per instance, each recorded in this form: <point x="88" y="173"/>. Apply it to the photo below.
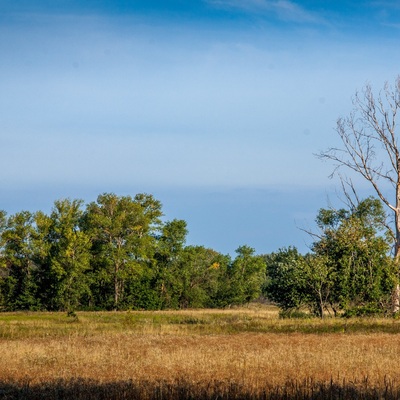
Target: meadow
<point x="244" y="353"/>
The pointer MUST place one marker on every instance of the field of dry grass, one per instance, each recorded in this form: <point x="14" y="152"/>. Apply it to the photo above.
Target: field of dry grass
<point x="244" y="353"/>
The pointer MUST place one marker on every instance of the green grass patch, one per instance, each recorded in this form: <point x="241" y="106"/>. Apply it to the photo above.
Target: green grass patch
<point x="21" y="325"/>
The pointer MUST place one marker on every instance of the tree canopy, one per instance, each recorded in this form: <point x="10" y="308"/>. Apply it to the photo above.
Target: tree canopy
<point x="349" y="269"/>
<point x="116" y="253"/>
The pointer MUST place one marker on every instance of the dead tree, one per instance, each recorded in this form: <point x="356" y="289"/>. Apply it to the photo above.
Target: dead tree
<point x="370" y="149"/>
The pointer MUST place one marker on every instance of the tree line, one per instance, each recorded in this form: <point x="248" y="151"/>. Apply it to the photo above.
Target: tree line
<point x="117" y="254"/>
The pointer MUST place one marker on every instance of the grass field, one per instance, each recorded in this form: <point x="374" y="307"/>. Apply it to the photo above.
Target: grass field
<point x="246" y="353"/>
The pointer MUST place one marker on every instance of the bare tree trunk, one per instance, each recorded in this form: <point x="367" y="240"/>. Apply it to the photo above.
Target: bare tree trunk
<point x="396" y="299"/>
<point x="116" y="286"/>
<point x="321" y="306"/>
<point x="396" y="290"/>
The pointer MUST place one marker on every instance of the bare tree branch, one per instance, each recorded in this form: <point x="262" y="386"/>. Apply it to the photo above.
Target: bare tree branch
<point x="370" y="149"/>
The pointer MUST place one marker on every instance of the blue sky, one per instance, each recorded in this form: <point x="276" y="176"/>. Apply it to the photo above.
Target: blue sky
<point x="216" y="107"/>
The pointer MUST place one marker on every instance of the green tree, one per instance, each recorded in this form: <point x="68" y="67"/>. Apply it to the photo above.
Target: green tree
<point x="193" y="278"/>
<point x="122" y="230"/>
<point x="247" y="276"/>
<point x="318" y="283"/>
<point x="356" y="250"/>
<point x="62" y="253"/>
<point x="295" y="281"/>
<point x="286" y="284"/>
<point x="18" y="281"/>
<point x="70" y="253"/>
<point x="349" y="269"/>
<point x="194" y="275"/>
<point x="167" y="259"/>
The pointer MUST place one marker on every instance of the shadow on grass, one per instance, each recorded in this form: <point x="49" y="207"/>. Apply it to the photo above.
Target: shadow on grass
<point x="183" y="390"/>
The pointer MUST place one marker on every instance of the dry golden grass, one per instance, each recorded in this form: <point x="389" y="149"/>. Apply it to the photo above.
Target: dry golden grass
<point x="251" y="359"/>
<point x="197" y="347"/>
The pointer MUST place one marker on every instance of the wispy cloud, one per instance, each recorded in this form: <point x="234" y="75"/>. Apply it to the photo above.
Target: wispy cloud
<point x="283" y="9"/>
<point x="394" y="4"/>
<point x="386" y="13"/>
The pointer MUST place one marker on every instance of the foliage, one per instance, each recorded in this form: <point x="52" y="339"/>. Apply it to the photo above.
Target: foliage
<point x="69" y="254"/>
<point x="247" y="275"/>
<point x="358" y="256"/>
<point x="18" y="285"/>
<point x="120" y="229"/>
<point x="116" y="254"/>
<point x="285" y="283"/>
<point x="350" y="268"/>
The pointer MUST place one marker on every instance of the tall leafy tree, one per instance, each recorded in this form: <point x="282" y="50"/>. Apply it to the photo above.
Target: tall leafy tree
<point x="196" y="276"/>
<point x="357" y="251"/>
<point x="286" y="284"/>
<point x="295" y="281"/>
<point x="122" y="230"/>
<point x="18" y="283"/>
<point x="247" y="275"/>
<point x="63" y="255"/>
<point x="318" y="283"/>
<point x="350" y="268"/>
<point x="46" y="281"/>
<point x="167" y="258"/>
<point x="70" y="254"/>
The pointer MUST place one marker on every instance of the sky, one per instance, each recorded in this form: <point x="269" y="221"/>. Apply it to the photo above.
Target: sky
<point x="216" y="107"/>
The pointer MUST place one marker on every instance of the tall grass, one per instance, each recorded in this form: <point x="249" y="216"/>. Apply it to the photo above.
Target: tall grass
<point x="204" y="354"/>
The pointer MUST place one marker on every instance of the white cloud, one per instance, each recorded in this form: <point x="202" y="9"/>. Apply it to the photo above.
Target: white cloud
<point x="284" y="9"/>
<point x="394" y="4"/>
